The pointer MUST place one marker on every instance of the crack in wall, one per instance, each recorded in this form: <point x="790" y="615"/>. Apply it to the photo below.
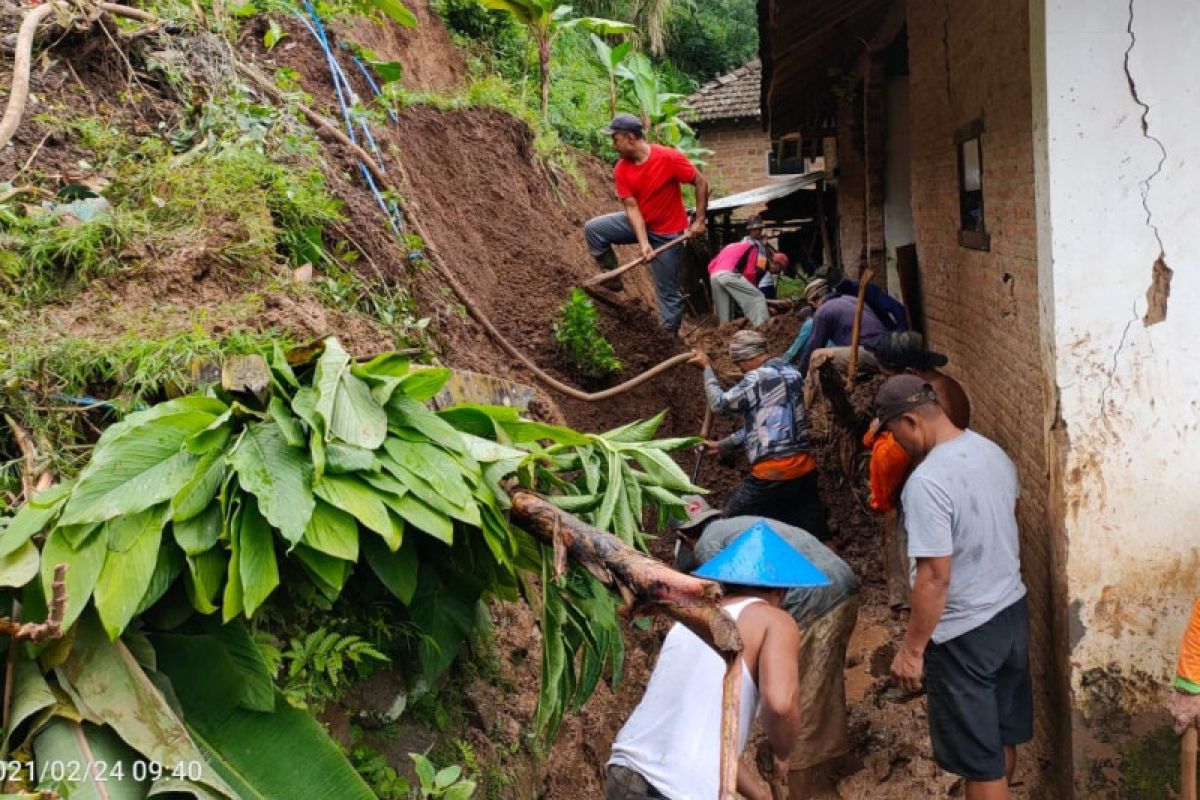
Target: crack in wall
<point x="1112" y="373"/>
<point x="1160" y="279"/>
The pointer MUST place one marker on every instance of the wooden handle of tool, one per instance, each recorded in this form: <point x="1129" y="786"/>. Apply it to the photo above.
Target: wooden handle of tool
<point x="731" y="702"/>
<point x="856" y="331"/>
<point x="605" y="277"/>
<point x="1187" y="778"/>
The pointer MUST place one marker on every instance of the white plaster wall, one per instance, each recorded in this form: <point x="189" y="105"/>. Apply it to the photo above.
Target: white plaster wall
<point x="1130" y="394"/>
<point x="897" y="175"/>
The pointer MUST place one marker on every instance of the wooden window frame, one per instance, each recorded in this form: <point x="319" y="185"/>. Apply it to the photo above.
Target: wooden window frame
<point x="974" y="239"/>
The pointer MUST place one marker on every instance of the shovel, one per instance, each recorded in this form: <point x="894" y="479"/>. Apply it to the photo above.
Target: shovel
<point x="704" y="430"/>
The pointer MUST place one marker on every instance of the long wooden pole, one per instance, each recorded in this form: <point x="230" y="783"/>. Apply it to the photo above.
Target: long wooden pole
<point x="856" y="331"/>
<point x="1187" y="778"/>
<point x="605" y="277"/>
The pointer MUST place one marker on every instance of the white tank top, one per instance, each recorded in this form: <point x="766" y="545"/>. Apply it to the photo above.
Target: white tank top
<point x="673" y="737"/>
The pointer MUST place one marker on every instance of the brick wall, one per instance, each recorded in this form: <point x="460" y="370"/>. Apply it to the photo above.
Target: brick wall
<point x="970" y="61"/>
<point x="739" y="160"/>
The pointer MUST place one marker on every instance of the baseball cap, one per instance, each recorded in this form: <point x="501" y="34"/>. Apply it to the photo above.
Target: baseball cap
<point x="623" y="123"/>
<point x="901" y="394"/>
<point x="904" y="349"/>
<point x="698" y="511"/>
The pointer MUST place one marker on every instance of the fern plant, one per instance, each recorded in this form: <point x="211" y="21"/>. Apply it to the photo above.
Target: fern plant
<point x="320" y="664"/>
<point x="578" y="336"/>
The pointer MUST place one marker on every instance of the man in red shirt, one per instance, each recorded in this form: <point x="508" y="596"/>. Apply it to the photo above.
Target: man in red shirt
<point x="648" y="178"/>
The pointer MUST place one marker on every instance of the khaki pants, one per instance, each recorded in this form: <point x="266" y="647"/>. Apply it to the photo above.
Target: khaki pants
<point x="823" y="735"/>
<point x="839" y="359"/>
<point x="730" y="289"/>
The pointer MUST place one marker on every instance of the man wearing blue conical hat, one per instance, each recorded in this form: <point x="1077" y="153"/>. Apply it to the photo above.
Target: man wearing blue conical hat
<point x="825" y="615"/>
<point x="670" y="747"/>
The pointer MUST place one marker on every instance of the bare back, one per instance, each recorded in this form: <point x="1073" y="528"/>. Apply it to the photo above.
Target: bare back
<point x="769" y="634"/>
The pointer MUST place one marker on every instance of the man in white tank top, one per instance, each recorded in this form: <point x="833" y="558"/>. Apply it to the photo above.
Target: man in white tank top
<point x="670" y="746"/>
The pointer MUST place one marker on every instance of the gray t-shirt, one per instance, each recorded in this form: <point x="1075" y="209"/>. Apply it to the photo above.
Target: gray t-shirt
<point x="805" y="605"/>
<point x="961" y="502"/>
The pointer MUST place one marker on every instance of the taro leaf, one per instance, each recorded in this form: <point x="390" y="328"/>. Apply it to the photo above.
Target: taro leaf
<point x="33" y="518"/>
<point x="283" y="755"/>
<point x="202" y="487"/>
<point x="140" y="461"/>
<point x="425" y="382"/>
<point x="665" y="472"/>
<point x="111" y="683"/>
<point x="67" y="742"/>
<point x="333" y="532"/>
<point x="204" y="580"/>
<point x="397" y="571"/>
<point x="327" y="572"/>
<point x="166" y="570"/>
<point x="419" y="515"/>
<point x="404" y="412"/>
<point x="357" y="499"/>
<point x="133" y="543"/>
<point x="30" y="694"/>
<point x="636" y="432"/>
<point x="343" y="458"/>
<point x="344" y="401"/>
<point x="445" y="615"/>
<point x="288" y="425"/>
<point x="199" y="533"/>
<point x="21" y="566"/>
<point x="83" y="567"/>
<point x="258" y="693"/>
<point x="256" y="559"/>
<point x="278" y="475"/>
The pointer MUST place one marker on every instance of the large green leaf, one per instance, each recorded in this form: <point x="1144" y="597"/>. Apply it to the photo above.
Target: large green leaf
<point x="69" y="743"/>
<point x="344" y="401"/>
<point x="204" y="579"/>
<point x="30" y="694"/>
<point x="527" y="12"/>
<point x="170" y="563"/>
<point x="333" y="532"/>
<point x="419" y="515"/>
<point x="20" y="566"/>
<point x="397" y="571"/>
<point x="258" y="692"/>
<point x="199" y="533"/>
<point x="113" y="686"/>
<point x="140" y="461"/>
<point x="404" y="412"/>
<point x="665" y="472"/>
<point x="327" y="572"/>
<point x="256" y="558"/>
<point x="636" y="432"/>
<point x="83" y="568"/>
<point x="424" y="382"/>
<point x="199" y="490"/>
<point x="278" y="475"/>
<point x="396" y="11"/>
<point x="133" y="543"/>
<point x="34" y="517"/>
<point x="282" y="755"/>
<point x="358" y="499"/>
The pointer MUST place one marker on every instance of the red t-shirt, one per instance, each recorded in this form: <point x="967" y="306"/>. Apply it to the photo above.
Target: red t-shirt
<point x="655" y="186"/>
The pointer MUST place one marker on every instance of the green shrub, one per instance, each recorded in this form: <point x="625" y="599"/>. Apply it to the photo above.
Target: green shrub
<point x="578" y="336"/>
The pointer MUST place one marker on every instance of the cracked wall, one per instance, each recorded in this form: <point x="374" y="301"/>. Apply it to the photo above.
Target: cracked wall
<point x="1118" y="194"/>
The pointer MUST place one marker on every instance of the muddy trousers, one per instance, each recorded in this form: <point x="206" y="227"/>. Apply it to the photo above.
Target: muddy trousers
<point x="604" y="231"/>
<point x="730" y="290"/>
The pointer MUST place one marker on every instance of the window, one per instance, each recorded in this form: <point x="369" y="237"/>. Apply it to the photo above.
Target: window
<point x="972" y="231"/>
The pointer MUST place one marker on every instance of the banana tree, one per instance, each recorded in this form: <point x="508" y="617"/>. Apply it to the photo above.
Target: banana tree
<point x="661" y="111"/>
<point x="545" y="20"/>
<point x="611" y="58"/>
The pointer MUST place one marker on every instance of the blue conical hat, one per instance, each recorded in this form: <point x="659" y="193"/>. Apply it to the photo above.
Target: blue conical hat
<point x="761" y="557"/>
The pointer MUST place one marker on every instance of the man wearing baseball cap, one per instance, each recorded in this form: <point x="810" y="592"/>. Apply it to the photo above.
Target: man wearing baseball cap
<point x="825" y="616"/>
<point x="968" y="634"/>
<point x="904" y="351"/>
<point x="670" y="746"/>
<point x="648" y="178"/>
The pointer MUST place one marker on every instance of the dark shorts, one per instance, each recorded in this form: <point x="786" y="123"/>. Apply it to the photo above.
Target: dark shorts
<point x="795" y="502"/>
<point x="980" y="695"/>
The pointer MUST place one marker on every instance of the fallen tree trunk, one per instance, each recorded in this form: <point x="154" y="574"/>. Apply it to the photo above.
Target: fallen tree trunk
<point x="691" y="601"/>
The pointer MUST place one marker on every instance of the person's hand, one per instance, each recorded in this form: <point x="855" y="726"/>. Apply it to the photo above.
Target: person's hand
<point x="907" y="670"/>
<point x="711" y="446"/>
<point x="700" y="359"/>
<point x="647" y="251"/>
<point x="1184" y="709"/>
<point x="698" y="227"/>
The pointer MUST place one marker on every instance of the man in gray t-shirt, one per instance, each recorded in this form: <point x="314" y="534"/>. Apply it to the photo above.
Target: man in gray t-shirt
<point x="968" y="633"/>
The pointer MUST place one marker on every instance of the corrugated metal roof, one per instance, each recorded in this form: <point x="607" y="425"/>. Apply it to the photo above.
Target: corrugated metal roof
<point x="734" y="95"/>
<point x="764" y="194"/>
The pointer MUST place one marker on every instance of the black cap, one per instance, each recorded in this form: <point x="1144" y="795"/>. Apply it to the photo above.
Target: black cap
<point x="901" y="350"/>
<point x="901" y="394"/>
<point x="623" y="123"/>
